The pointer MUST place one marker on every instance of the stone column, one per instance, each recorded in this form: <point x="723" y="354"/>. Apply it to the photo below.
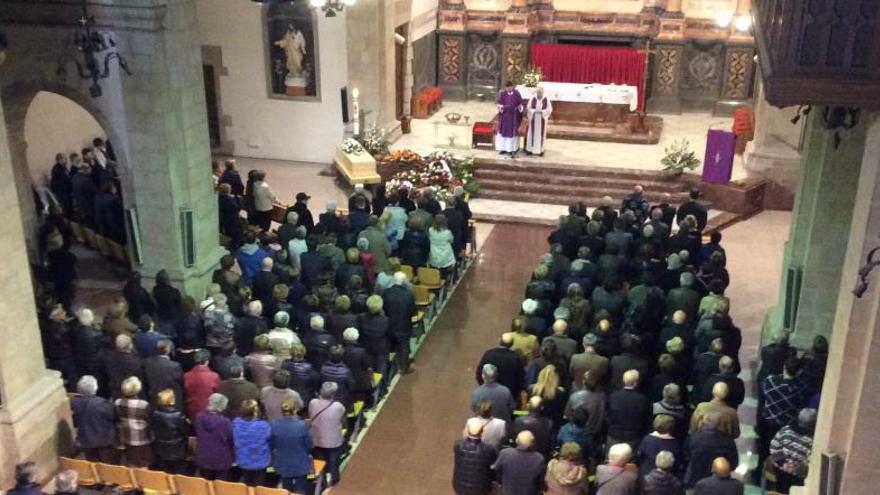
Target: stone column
<point x="370" y="23"/>
<point x="34" y="412"/>
<point x="851" y="393"/>
<point x="775" y="152"/>
<point x="673" y="9"/>
<point x="820" y="225"/>
<point x="169" y="147"/>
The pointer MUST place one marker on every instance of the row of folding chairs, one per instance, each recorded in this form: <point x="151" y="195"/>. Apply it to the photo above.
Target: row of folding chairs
<point x="108" y="247"/>
<point x="162" y="483"/>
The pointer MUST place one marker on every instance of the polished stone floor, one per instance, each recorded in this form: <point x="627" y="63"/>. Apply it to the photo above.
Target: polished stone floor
<point x="435" y="132"/>
<point x="408" y="449"/>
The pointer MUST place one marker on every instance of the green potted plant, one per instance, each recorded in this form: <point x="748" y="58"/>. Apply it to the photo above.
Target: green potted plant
<point x="678" y="157"/>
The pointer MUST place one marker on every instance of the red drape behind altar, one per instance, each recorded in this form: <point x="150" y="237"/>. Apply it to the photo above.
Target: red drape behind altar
<point x="592" y="64"/>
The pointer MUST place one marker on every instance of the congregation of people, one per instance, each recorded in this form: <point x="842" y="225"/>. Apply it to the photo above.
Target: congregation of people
<point x="301" y="329"/>
<point x="620" y="374"/>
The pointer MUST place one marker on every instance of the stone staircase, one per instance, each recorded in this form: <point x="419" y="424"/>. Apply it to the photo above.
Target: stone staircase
<point x="531" y="180"/>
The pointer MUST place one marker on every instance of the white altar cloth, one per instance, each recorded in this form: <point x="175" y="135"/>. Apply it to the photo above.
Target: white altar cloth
<point x="616" y="94"/>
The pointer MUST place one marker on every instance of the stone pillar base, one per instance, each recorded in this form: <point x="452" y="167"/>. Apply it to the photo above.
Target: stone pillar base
<point x="664" y="104"/>
<point x="36" y="426"/>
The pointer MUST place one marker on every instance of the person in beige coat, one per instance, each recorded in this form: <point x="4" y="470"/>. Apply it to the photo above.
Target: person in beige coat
<point x="565" y="474"/>
<point x="728" y="421"/>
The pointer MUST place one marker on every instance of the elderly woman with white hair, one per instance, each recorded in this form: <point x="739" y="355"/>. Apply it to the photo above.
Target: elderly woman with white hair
<point x="215" y="451"/>
<point x="67" y="482"/>
<point x="94" y="419"/>
<point x="359" y="363"/>
<point x="614" y="478"/>
<point x="327" y="416"/>
<point x="88" y="345"/>
<point x="133" y="417"/>
<point x="661" y="480"/>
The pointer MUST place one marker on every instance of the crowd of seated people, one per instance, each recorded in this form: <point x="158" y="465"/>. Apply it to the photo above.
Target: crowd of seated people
<point x="289" y="340"/>
<point x="619" y="376"/>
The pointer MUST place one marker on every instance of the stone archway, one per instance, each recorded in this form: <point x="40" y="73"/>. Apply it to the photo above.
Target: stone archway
<point x="17" y="99"/>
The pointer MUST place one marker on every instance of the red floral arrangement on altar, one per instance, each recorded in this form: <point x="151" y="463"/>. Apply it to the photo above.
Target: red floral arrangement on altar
<point x="404" y="156"/>
<point x="442" y="171"/>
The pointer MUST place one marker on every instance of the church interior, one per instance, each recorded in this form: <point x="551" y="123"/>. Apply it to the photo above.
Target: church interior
<point x="639" y="235"/>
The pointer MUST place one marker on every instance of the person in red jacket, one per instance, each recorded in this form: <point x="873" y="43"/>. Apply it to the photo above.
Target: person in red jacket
<point x="199" y="383"/>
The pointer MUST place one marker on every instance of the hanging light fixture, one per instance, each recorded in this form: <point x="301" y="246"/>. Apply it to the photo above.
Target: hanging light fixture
<point x="91" y="44"/>
<point x="331" y="7"/>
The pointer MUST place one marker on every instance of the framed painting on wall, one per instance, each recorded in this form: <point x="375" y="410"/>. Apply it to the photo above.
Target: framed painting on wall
<point x="291" y="37"/>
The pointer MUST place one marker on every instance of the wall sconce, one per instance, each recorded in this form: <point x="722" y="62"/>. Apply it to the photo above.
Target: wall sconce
<point x="866" y="269"/>
<point x="3" y="45"/>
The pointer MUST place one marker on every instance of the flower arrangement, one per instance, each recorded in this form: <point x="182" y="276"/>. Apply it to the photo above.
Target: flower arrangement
<point x="532" y="76"/>
<point x="404" y="156"/>
<point x="678" y="157"/>
<point x="442" y="171"/>
<point x="351" y="146"/>
<point x="375" y="141"/>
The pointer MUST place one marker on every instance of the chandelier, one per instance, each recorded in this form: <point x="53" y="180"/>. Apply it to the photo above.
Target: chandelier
<point x="331" y="7"/>
<point x="91" y="44"/>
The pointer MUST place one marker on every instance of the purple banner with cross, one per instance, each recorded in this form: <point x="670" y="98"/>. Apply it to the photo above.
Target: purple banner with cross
<point x="718" y="163"/>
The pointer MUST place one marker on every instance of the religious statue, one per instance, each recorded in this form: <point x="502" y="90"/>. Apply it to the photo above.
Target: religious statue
<point x="294" y="45"/>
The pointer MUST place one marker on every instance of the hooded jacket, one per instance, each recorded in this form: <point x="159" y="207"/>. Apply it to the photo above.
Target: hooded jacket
<point x="565" y="478"/>
<point x="214" y="449"/>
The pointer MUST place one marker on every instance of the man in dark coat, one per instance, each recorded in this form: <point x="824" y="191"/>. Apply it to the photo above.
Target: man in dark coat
<point x="774" y="355"/>
<point x="263" y="282"/>
<point x="231" y="177"/>
<point x="720" y="483"/>
<point x="693" y="207"/>
<point x="358" y="362"/>
<point x="374" y="335"/>
<point x="60" y="183"/>
<point x="301" y="208"/>
<point x="629" y="413"/>
<point x="726" y="373"/>
<point x="400" y="307"/>
<point x="703" y="447"/>
<point x="88" y="347"/>
<point x="161" y="372"/>
<point x="121" y="363"/>
<point x="472" y="471"/>
<point x="83" y="192"/>
<point x="508" y="362"/>
<point x="237" y="390"/>
<point x="229" y="210"/>
<point x="93" y="417"/>
<point x="520" y="469"/>
<point x="540" y="427"/>
<point x="667" y="211"/>
<point x="249" y="326"/>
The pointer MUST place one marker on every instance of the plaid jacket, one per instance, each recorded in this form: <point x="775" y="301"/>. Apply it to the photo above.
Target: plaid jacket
<point x="782" y="399"/>
<point x="791" y="445"/>
<point x="133" y="416"/>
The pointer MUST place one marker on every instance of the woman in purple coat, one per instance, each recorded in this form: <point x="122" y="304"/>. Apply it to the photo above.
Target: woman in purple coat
<point x="215" y="451"/>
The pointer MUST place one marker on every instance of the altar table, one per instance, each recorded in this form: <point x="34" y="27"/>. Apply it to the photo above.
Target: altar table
<point x="612" y="94"/>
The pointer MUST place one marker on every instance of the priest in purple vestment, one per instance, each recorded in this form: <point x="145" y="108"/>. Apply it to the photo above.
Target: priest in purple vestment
<point x="509" y="115"/>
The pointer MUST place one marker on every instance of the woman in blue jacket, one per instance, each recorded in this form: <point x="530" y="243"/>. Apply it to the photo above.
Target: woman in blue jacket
<point x="292" y="444"/>
<point x="251" y="436"/>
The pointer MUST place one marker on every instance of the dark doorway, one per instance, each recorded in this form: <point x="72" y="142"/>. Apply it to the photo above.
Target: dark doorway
<point x="211" y="105"/>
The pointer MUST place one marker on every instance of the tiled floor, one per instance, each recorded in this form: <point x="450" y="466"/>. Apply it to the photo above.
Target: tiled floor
<point x="428" y="135"/>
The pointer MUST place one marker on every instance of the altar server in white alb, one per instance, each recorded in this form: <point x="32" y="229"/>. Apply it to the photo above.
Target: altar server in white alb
<point x="538" y="111"/>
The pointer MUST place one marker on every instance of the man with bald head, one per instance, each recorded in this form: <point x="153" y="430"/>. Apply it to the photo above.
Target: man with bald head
<point x="588" y="361"/>
<point x="636" y="203"/>
<point x="702" y="447"/>
<point x="565" y="345"/>
<point x="498" y="395"/>
<point x="472" y="471"/>
<point x="539" y="425"/>
<point x="629" y="412"/>
<point x="728" y="421"/>
<point x="520" y="470"/>
<point x="720" y="483"/>
<point x="727" y="374"/>
<point x="508" y="362"/>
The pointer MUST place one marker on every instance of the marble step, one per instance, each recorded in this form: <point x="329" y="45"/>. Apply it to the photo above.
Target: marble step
<point x="562" y="178"/>
<point x="556" y="193"/>
<point x="538" y="166"/>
